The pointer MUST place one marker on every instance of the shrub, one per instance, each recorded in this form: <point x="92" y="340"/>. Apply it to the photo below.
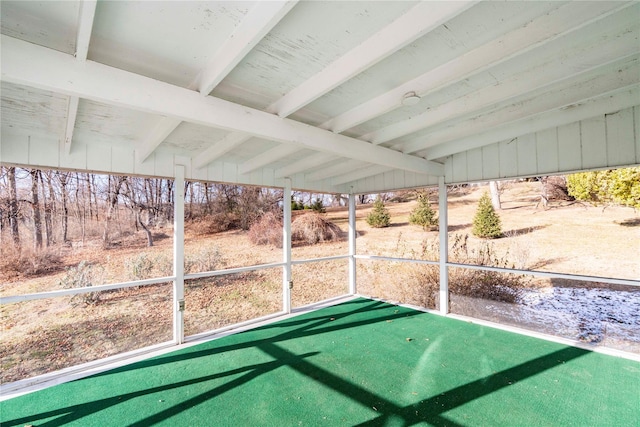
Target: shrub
<point x="205" y="259"/>
<point x="144" y="266"/>
<point x="379" y="217"/>
<point x="486" y="223"/>
<point x="318" y="206"/>
<point x="312" y="228"/>
<point x="139" y="267"/>
<point x="29" y="262"/>
<point x="619" y="186"/>
<point x="213" y="223"/>
<point x="423" y="215"/>
<point x="423" y="281"/>
<point x="267" y="230"/>
<point x="82" y="276"/>
<point x="296" y="205"/>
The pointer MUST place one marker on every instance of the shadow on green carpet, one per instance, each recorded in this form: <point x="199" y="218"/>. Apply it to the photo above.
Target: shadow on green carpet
<point x="363" y="362"/>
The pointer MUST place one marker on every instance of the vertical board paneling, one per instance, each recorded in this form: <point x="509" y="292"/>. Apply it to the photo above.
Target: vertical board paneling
<point x="474" y="164"/>
<point x="547" y="150"/>
<point x="185" y="161"/>
<point x="594" y="148"/>
<point x="44" y="151"/>
<point x="199" y="174"/>
<point x="229" y="172"/>
<point x="636" y="126"/>
<point x="508" y="154"/>
<point x="77" y="158"/>
<point x="460" y="167"/>
<point x="569" y="147"/>
<point x="620" y="134"/>
<point x="448" y="169"/>
<point x="527" y="160"/>
<point x="410" y="179"/>
<point x="399" y="179"/>
<point x="12" y="148"/>
<point x="370" y="182"/>
<point x="122" y="159"/>
<point x="268" y="178"/>
<point x="388" y="180"/>
<point x="379" y="181"/>
<point x="214" y="171"/>
<point x="490" y="161"/>
<point x="148" y="167"/>
<point x="164" y="164"/>
<point x="99" y="157"/>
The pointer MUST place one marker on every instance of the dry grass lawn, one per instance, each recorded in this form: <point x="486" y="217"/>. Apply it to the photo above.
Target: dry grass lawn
<point x="44" y="335"/>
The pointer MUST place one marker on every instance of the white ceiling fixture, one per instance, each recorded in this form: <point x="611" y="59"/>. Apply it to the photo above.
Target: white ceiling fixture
<point x="253" y="92"/>
<point x="542" y="30"/>
<point x="410" y="99"/>
<point x="541" y="69"/>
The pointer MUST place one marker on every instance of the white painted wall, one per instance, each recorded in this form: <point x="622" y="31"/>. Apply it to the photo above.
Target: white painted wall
<point x="604" y="141"/>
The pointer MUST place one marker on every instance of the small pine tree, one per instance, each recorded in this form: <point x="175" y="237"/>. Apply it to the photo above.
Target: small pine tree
<point x="486" y="223"/>
<point x="379" y="217"/>
<point x="318" y="206"/>
<point x="423" y="215"/>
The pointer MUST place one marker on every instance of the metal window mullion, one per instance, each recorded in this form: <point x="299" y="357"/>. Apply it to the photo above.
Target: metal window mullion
<point x="444" y="245"/>
<point x="286" y="247"/>
<point x="178" y="256"/>
<point x="352" y="245"/>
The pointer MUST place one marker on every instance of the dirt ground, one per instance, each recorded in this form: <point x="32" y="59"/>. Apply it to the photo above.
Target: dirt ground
<point x="44" y="335"/>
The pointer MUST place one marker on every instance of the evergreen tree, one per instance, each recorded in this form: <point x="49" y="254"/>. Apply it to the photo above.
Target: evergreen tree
<point x="423" y="215"/>
<point x="486" y="223"/>
<point x="379" y="217"/>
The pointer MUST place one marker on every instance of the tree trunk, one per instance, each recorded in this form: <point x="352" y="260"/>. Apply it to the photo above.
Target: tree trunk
<point x="47" y="201"/>
<point x="112" y="202"/>
<point x="35" y="204"/>
<point x="62" y="177"/>
<point x="13" y="207"/>
<point x="144" y="227"/>
<point x="495" y="195"/>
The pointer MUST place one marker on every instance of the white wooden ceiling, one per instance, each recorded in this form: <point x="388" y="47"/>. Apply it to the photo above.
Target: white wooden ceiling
<point x="256" y="92"/>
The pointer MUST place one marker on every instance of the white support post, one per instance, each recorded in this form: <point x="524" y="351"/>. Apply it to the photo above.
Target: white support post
<point x="352" y="244"/>
<point x="287" y="283"/>
<point x="178" y="256"/>
<point x="444" y="245"/>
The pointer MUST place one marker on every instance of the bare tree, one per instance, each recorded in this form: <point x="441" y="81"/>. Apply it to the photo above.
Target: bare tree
<point x="140" y="199"/>
<point x="48" y="201"/>
<point x="494" y="189"/>
<point x="63" y="179"/>
<point x="35" y="205"/>
<point x="13" y="206"/>
<point x="114" y="185"/>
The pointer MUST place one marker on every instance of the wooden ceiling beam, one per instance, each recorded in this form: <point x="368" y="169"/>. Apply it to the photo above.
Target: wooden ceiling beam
<point x="415" y="23"/>
<point x="359" y="174"/>
<point x="309" y="162"/>
<point x="542" y="30"/>
<point x="614" y="101"/>
<point x="538" y="74"/>
<point x="219" y="149"/>
<point x="258" y="22"/>
<point x="611" y="77"/>
<point x="31" y="65"/>
<point x="83" y="37"/>
<point x="267" y="157"/>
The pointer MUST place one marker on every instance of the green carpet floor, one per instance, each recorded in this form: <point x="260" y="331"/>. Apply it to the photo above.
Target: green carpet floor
<point x="360" y="363"/>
